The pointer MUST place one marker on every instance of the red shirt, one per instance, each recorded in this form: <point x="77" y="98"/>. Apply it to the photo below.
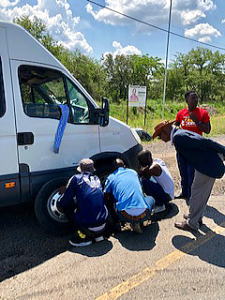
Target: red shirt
<point x="183" y="117"/>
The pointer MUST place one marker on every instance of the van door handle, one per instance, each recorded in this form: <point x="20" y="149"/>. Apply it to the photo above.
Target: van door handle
<point x="25" y="138"/>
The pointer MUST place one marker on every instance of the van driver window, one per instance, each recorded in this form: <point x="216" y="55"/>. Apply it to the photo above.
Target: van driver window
<point x="42" y="91"/>
<point x="2" y="92"/>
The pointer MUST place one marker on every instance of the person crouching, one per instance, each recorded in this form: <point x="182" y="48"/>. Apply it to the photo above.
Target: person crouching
<point x="83" y="203"/>
<point x="124" y="189"/>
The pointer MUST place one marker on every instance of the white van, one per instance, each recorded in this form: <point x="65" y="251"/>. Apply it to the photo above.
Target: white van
<point x="32" y="85"/>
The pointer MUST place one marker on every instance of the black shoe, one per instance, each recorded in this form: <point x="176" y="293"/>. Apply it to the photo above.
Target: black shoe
<point x="200" y="222"/>
<point x="80" y="242"/>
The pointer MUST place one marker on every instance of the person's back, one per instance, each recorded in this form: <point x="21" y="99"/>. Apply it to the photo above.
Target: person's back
<point x="125" y="186"/>
<point x="165" y="179"/>
<point x="89" y="200"/>
<point x="83" y="204"/>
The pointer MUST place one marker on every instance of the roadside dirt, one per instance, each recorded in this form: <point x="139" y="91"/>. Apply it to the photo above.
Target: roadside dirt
<point x="166" y="152"/>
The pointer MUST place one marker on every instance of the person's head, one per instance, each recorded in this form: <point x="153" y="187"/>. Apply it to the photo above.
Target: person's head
<point x="86" y="165"/>
<point x="145" y="158"/>
<point x="163" y="130"/>
<point x="118" y="163"/>
<point x="134" y="91"/>
<point x="192" y="100"/>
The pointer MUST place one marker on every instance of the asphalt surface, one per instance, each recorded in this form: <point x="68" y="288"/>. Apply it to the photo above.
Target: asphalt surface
<point x="37" y="266"/>
<point x="161" y="263"/>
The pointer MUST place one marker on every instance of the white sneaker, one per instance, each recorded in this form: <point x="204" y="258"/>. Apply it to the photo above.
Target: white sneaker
<point x="158" y="209"/>
<point x="99" y="239"/>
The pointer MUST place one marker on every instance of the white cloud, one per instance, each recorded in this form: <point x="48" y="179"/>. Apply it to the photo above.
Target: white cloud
<point x="7" y="3"/>
<point x="152" y="11"/>
<point x="223" y="21"/>
<point x="59" y="20"/>
<point x="203" y="32"/>
<point x="120" y="50"/>
<point x="191" y="16"/>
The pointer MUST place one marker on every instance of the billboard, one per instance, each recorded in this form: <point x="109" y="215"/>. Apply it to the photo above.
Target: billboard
<point x="137" y="95"/>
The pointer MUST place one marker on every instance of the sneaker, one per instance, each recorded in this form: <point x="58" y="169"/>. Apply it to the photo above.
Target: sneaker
<point x="80" y="242"/>
<point x="99" y="239"/>
<point x="136" y="227"/>
<point x="158" y="209"/>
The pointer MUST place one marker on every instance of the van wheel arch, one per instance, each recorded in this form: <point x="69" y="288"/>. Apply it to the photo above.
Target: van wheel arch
<point x="104" y="163"/>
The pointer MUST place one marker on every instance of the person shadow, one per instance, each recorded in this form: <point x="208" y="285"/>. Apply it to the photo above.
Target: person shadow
<point x="139" y="242"/>
<point x="212" y="213"/>
<point x="208" y="246"/>
<point x="171" y="211"/>
<point x="93" y="250"/>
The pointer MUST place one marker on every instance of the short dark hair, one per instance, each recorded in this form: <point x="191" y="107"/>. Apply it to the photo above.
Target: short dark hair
<point x="188" y="93"/>
<point x="145" y="158"/>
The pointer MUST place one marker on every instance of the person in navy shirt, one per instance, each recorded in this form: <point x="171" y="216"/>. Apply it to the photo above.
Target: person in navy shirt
<point x="83" y="202"/>
<point x="130" y="203"/>
<point x="206" y="156"/>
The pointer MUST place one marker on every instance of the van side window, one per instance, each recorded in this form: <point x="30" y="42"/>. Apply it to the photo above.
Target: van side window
<point x="2" y="92"/>
<point x="43" y="89"/>
<point x="78" y="104"/>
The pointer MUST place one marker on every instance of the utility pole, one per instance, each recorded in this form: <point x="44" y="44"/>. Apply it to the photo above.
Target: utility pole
<point x="166" y="63"/>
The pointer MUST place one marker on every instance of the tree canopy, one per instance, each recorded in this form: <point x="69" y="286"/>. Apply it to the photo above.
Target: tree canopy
<point x="200" y="69"/>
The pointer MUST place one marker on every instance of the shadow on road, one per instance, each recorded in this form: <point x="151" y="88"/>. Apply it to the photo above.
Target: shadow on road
<point x="94" y="250"/>
<point x="139" y="242"/>
<point x="212" y="213"/>
<point x="171" y="211"/>
<point x="211" y="251"/>
<point x="23" y="243"/>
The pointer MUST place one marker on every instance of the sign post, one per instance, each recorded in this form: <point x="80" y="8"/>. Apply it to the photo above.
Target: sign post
<point x="137" y="97"/>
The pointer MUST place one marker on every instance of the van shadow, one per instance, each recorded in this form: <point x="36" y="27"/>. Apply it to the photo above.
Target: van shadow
<point x="24" y="244"/>
<point x="139" y="242"/>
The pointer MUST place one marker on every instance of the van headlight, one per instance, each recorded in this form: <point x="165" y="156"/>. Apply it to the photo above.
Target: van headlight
<point x="136" y="136"/>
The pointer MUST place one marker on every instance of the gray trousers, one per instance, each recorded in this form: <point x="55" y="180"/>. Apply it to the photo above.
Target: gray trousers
<point x="200" y="192"/>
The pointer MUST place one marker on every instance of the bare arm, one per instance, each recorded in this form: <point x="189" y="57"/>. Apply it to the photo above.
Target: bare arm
<point x="204" y="127"/>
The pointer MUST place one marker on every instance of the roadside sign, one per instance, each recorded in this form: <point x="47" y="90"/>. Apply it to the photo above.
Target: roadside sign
<point x="137" y="96"/>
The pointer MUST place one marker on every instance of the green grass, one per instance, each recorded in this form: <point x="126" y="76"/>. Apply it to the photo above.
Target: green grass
<point x="154" y="114"/>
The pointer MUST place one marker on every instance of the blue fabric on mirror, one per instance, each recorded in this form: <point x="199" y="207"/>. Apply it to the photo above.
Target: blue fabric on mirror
<point x="61" y="127"/>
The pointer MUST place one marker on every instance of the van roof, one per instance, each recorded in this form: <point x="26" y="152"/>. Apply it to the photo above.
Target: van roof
<point x="23" y="46"/>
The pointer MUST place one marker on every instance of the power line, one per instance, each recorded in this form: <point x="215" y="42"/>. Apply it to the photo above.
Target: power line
<point x="154" y="26"/>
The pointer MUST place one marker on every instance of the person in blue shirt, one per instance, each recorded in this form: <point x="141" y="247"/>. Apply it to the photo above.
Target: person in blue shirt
<point x="124" y="186"/>
<point x="83" y="202"/>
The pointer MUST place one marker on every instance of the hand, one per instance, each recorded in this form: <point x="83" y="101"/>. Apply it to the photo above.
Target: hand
<point x="194" y="117"/>
<point x="61" y="190"/>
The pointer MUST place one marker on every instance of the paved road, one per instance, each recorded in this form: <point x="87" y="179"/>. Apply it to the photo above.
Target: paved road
<point x="37" y="266"/>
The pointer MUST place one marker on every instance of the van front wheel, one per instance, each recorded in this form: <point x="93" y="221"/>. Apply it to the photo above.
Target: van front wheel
<point x="49" y="217"/>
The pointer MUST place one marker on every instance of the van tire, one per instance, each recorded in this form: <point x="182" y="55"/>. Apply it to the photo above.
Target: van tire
<point x="42" y="208"/>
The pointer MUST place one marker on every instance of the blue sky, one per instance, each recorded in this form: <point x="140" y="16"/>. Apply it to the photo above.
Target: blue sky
<point x="96" y="31"/>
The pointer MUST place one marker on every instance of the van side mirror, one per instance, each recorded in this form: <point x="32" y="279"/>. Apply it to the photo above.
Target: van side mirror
<point x="104" y="118"/>
<point x="101" y="116"/>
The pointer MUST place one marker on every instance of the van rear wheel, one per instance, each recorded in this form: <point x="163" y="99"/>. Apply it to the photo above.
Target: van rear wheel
<point x="49" y="217"/>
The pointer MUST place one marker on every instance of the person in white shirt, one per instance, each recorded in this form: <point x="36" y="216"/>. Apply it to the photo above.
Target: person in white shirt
<point x="156" y="180"/>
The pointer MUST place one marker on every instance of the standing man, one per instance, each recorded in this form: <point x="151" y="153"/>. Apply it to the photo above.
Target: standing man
<point x="196" y="120"/>
<point x="206" y="156"/>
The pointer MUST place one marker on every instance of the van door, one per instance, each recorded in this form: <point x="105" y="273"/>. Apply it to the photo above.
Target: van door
<point x="9" y="169"/>
<point x="38" y="92"/>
